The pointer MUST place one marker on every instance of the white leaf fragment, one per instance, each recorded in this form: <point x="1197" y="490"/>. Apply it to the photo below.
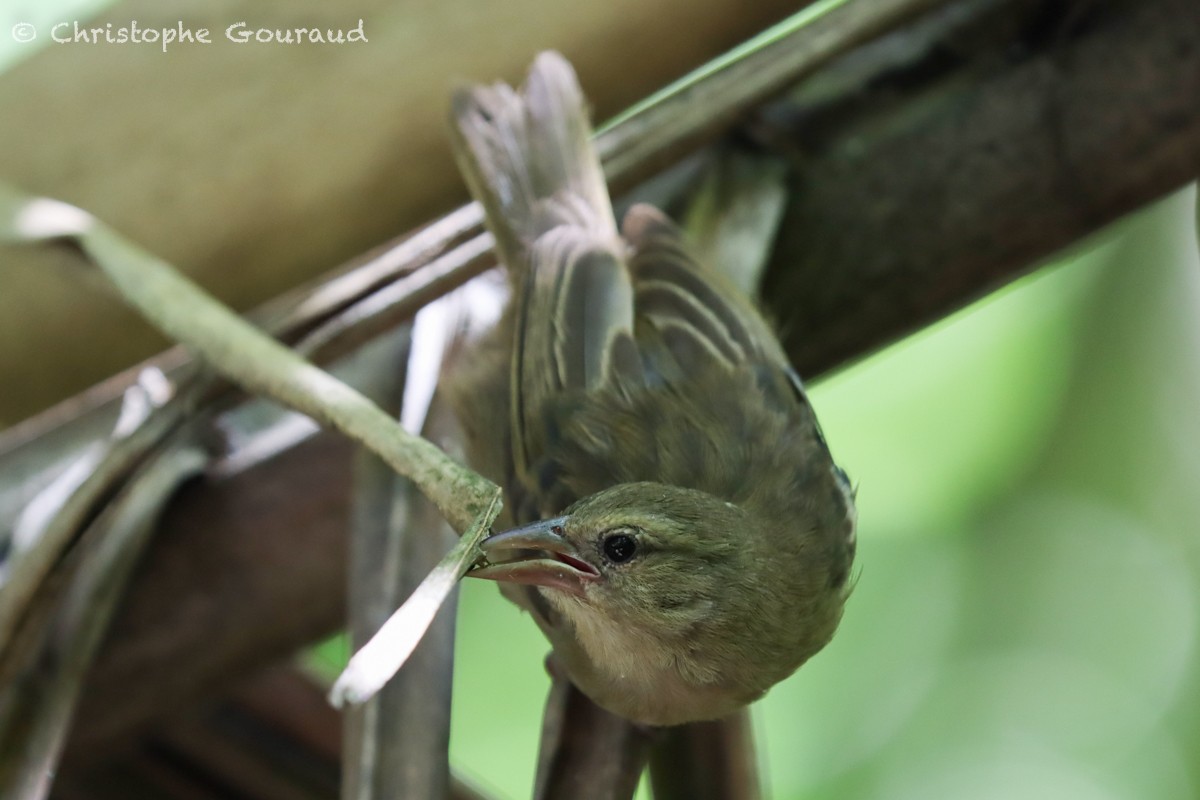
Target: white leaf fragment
<point x="381" y="657"/>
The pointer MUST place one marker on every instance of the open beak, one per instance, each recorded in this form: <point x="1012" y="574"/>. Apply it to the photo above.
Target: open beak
<point x="536" y="555"/>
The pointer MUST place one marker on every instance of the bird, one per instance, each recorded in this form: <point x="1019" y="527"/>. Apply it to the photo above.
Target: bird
<point x="681" y="532"/>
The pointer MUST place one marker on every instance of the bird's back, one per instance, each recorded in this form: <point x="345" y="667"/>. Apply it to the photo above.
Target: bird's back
<point x="622" y="357"/>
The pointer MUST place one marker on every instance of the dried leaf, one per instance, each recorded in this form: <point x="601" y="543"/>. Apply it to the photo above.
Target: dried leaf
<point x="382" y="657"/>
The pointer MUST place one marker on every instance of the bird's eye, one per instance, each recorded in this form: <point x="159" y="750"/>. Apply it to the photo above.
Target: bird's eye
<point x="619" y="547"/>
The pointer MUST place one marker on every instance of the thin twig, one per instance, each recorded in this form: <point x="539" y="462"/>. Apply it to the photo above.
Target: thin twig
<point x="233" y="347"/>
<point x="398" y="301"/>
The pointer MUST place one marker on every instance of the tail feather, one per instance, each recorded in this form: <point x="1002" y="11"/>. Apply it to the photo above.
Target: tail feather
<point x="560" y="133"/>
<point x="528" y="157"/>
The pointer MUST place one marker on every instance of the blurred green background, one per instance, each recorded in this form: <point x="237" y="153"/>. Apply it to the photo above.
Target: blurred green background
<point x="1024" y="622"/>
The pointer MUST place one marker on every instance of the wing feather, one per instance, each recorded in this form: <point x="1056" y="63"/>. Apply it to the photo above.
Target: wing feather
<point x="529" y="160"/>
<point x="679" y="294"/>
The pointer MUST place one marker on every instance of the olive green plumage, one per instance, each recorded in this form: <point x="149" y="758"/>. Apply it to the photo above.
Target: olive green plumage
<point x="696" y="537"/>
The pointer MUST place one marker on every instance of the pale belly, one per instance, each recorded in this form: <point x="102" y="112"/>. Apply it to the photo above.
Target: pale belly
<point x="612" y="667"/>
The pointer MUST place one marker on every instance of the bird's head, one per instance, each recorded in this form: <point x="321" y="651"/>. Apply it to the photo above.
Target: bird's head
<point x="663" y="580"/>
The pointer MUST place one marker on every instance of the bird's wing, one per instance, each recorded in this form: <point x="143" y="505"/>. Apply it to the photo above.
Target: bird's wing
<point x="529" y="160"/>
<point x="575" y="329"/>
<point x="698" y="315"/>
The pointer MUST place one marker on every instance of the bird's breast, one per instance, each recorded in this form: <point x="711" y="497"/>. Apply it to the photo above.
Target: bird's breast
<point x="635" y="675"/>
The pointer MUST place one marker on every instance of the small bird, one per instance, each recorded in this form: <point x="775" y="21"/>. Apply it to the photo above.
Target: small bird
<point x="688" y="538"/>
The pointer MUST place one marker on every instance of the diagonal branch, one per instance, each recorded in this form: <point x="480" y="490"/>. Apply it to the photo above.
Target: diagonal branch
<point x="234" y="347"/>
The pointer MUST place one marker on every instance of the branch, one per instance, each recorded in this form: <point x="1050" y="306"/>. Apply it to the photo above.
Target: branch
<point x="954" y="155"/>
<point x="587" y="753"/>
<point x="719" y="754"/>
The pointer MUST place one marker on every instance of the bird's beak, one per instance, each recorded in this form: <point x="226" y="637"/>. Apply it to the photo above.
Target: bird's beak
<point x="536" y="555"/>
